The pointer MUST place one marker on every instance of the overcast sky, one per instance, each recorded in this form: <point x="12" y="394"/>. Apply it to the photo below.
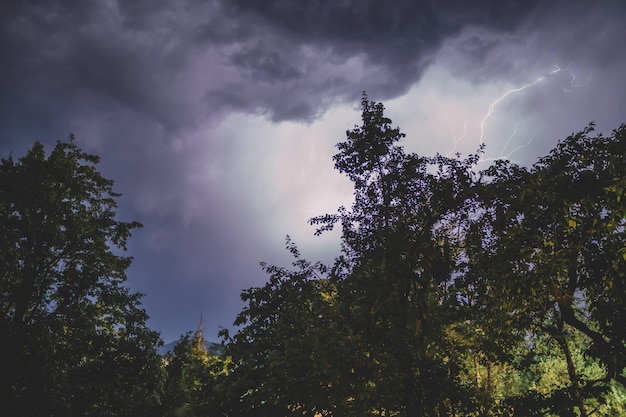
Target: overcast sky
<point x="218" y="119"/>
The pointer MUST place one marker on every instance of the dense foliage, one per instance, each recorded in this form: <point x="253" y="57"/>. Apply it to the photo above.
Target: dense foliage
<point x="192" y="375"/>
<point x="75" y="338"/>
<point x="458" y="292"/>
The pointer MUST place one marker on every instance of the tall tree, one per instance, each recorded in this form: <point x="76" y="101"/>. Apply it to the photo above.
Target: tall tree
<point x="399" y="257"/>
<point x="75" y="337"/>
<point x="548" y="255"/>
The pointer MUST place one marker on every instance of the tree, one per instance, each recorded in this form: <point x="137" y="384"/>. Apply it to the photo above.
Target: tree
<point x="372" y="335"/>
<point x="193" y="373"/>
<point x="287" y="356"/>
<point x="75" y="337"/>
<point x="547" y="256"/>
<point x="395" y="275"/>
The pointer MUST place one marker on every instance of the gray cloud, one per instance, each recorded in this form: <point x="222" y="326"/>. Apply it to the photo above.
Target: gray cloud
<point x="261" y="63"/>
<point x="136" y="54"/>
<point x="397" y="40"/>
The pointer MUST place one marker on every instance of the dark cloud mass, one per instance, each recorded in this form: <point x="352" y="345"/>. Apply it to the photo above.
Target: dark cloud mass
<point x="134" y="53"/>
<point x="397" y="39"/>
<point x="263" y="64"/>
<point x="217" y="119"/>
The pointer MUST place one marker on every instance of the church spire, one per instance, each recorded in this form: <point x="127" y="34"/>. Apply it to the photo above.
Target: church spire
<point x="199" y="337"/>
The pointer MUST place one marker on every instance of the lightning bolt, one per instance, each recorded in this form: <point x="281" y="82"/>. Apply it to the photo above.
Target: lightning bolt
<point x="510" y="154"/>
<point x="460" y="138"/>
<point x="574" y="84"/>
<point x="492" y="106"/>
<point x="518" y="90"/>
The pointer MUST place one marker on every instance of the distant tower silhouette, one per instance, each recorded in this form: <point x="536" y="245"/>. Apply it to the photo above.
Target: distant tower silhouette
<point x="199" y="341"/>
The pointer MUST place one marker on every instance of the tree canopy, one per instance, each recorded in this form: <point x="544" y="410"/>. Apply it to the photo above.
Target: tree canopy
<point x="75" y="337"/>
<point x="459" y="291"/>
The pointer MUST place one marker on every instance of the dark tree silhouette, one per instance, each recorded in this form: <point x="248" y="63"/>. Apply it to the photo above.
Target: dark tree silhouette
<point x="75" y="338"/>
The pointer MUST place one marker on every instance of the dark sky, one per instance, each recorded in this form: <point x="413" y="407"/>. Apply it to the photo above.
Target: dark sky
<point x="218" y="119"/>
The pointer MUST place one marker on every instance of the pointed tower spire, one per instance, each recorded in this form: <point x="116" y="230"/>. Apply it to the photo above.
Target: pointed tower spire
<point x="199" y="337"/>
